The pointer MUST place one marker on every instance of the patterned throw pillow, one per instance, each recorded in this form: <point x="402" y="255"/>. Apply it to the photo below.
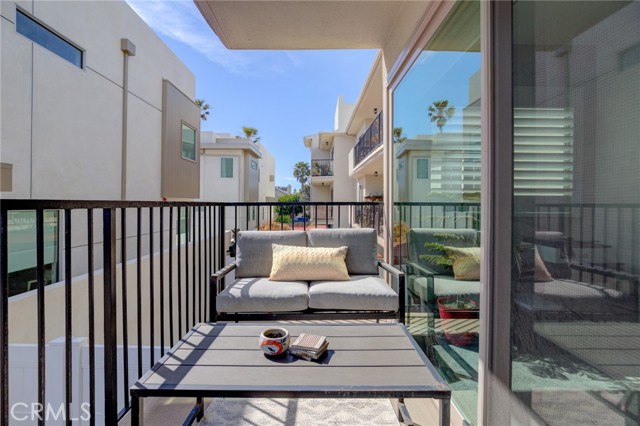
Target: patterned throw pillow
<point x="291" y="263"/>
<point x="466" y="262"/>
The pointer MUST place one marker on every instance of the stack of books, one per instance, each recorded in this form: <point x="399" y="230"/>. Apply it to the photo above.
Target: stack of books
<point x="310" y="347"/>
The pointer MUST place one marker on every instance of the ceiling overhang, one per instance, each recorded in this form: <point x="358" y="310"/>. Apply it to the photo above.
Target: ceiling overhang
<point x="301" y="24"/>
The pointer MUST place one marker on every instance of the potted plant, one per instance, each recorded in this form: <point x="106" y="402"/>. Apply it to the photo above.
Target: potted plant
<point x="458" y="307"/>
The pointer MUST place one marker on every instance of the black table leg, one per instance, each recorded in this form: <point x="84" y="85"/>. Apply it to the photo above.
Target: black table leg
<point x="137" y="411"/>
<point x="200" y="403"/>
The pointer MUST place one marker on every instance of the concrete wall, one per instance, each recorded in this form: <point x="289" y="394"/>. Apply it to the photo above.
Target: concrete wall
<point x="344" y="186"/>
<point x="62" y="125"/>
<point x="22" y="308"/>
<point x="267" y="174"/>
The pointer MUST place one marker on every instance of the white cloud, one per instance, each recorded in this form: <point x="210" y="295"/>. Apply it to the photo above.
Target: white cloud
<point x="181" y="21"/>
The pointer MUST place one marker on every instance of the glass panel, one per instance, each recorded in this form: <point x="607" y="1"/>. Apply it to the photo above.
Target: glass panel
<point x="21" y="239"/>
<point x="575" y="324"/>
<point x="188" y="142"/>
<point x="226" y="167"/>
<point x="47" y="39"/>
<point x="436" y="154"/>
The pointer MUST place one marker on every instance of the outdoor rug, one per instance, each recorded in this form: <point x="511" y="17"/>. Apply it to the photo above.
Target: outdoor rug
<point x="299" y="412"/>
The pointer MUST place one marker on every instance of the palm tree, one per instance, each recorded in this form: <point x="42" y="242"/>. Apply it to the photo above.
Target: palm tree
<point x="251" y="133"/>
<point x="398" y="137"/>
<point x="204" y="108"/>
<point x="440" y="113"/>
<point x="301" y="172"/>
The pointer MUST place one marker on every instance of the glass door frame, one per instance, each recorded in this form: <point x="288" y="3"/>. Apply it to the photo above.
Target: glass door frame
<point x="495" y="402"/>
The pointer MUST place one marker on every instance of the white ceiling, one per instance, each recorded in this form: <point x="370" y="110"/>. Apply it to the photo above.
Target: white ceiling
<point x="301" y="24"/>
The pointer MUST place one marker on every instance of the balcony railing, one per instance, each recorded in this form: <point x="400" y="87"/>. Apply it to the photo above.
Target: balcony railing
<point x="321" y="167"/>
<point x="134" y="280"/>
<point x="370" y="140"/>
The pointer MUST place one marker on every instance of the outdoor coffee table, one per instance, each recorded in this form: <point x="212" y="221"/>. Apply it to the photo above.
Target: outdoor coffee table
<point x="224" y="360"/>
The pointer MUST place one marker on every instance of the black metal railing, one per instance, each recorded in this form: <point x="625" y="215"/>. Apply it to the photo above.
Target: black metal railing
<point x="599" y="238"/>
<point x="169" y="249"/>
<point x="446" y="215"/>
<point x="370" y="140"/>
<point x="321" y="167"/>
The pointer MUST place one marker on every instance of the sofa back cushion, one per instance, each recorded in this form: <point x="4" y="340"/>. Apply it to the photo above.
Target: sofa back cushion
<point x="417" y="237"/>
<point x="254" y="254"/>
<point x="552" y="247"/>
<point x="362" y="255"/>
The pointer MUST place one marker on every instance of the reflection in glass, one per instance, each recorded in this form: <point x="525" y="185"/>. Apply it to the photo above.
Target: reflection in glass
<point x="436" y="238"/>
<point x="575" y="322"/>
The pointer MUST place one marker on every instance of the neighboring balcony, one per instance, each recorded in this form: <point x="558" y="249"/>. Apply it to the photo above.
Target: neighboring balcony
<point x="370" y="140"/>
<point x="322" y="172"/>
<point x="321" y="168"/>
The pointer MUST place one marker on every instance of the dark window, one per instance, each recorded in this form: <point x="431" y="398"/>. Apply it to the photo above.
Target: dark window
<point x="188" y="142"/>
<point x="226" y="167"/>
<point x="46" y="38"/>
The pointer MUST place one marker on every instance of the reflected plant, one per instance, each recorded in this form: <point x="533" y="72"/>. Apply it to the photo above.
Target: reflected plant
<point x="440" y="112"/>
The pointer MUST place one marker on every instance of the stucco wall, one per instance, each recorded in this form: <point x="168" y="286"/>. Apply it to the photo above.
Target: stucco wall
<point x="62" y="125"/>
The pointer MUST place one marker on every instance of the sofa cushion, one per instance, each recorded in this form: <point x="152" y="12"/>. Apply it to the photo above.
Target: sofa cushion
<point x="466" y="262"/>
<point x="292" y="263"/>
<point x="417" y="237"/>
<point x="262" y="295"/>
<point x="253" y="250"/>
<point x="361" y="292"/>
<point x="362" y="256"/>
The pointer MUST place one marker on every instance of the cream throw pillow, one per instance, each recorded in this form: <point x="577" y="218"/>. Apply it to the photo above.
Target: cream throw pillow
<point x="291" y="263"/>
<point x="466" y="262"/>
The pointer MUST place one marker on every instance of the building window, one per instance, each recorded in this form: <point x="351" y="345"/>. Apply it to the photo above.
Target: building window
<point x="22" y="250"/>
<point x="422" y="168"/>
<point x="36" y="32"/>
<point x="226" y="167"/>
<point x="188" y="142"/>
<point x="254" y="165"/>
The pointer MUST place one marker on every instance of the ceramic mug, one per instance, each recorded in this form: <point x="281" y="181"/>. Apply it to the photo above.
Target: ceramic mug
<point x="274" y="341"/>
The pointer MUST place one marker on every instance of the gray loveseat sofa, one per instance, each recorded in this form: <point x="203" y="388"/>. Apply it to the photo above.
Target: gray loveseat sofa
<point x="252" y="296"/>
<point x="427" y="282"/>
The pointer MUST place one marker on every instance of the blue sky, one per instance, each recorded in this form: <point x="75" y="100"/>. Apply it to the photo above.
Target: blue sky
<point x="284" y="94"/>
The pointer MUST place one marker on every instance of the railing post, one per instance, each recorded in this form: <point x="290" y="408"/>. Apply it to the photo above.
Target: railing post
<point x="221" y="248"/>
<point x="110" y="336"/>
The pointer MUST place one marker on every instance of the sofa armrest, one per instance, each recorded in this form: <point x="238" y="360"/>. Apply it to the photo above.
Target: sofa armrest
<point x="401" y="287"/>
<point x="217" y="278"/>
<point x="416" y="269"/>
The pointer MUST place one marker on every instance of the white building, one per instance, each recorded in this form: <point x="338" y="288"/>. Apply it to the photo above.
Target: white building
<point x="91" y="108"/>
<point x="236" y="169"/>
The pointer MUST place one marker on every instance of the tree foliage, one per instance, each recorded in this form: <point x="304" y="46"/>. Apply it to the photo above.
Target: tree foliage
<point x="204" y="108"/>
<point x="251" y="133"/>
<point x="302" y="171"/>
<point x="284" y="213"/>
<point x="398" y="136"/>
<point x="440" y="112"/>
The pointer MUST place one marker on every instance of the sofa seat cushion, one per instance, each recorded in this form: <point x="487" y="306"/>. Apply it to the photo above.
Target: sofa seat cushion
<point x="361" y="292"/>
<point x="262" y="295"/>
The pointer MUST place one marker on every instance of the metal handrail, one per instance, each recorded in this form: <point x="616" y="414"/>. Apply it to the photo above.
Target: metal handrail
<point x="369" y="141"/>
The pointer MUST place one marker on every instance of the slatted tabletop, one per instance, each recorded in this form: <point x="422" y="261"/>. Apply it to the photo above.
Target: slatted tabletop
<point x="364" y="360"/>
